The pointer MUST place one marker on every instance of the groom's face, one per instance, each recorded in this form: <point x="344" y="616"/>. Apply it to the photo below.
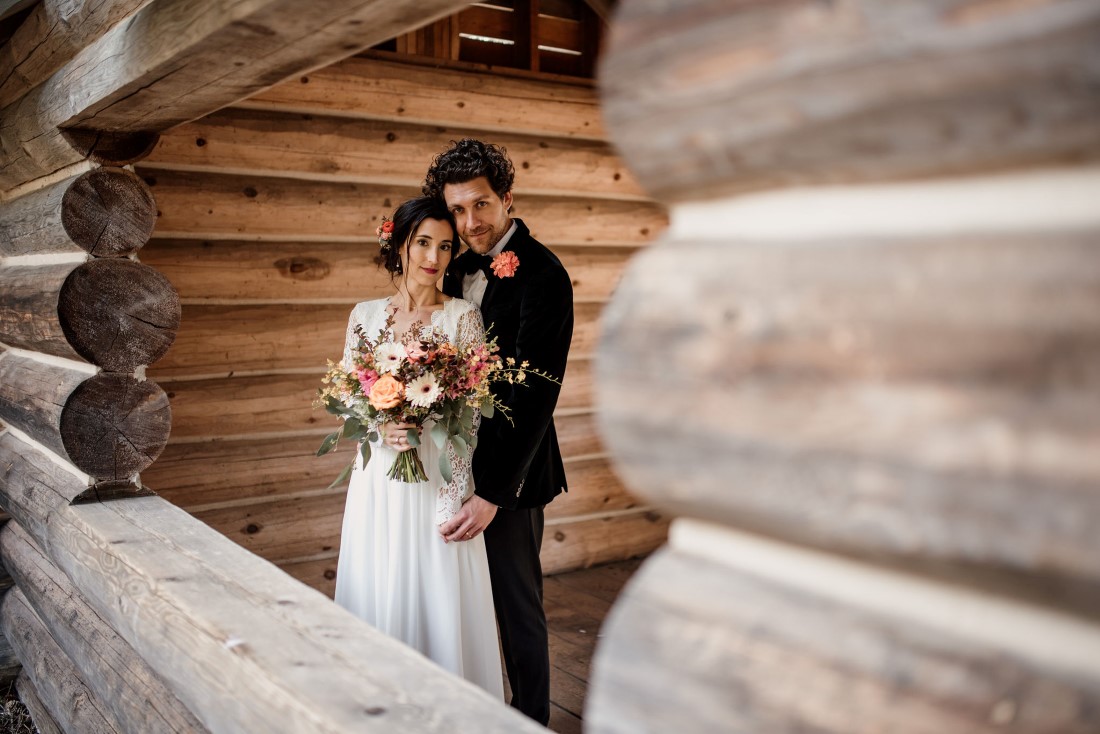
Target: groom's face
<point x="482" y="216"/>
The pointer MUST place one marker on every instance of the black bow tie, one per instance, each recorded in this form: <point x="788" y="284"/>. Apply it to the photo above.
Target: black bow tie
<point x="470" y="262"/>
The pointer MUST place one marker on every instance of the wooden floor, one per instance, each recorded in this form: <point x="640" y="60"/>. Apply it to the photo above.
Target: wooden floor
<point x="576" y="604"/>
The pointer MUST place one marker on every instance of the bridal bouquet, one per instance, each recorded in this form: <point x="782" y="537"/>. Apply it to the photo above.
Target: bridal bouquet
<point x="417" y="378"/>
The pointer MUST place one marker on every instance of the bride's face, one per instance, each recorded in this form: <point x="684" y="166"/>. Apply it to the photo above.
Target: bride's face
<point x="428" y="252"/>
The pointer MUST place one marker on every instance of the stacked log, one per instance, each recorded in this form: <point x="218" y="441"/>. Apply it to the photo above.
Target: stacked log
<point x="880" y="434"/>
<point x="269" y="252"/>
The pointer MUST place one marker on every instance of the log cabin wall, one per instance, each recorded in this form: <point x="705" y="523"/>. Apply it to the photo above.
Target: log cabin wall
<point x="267" y="211"/>
<point x="880" y="361"/>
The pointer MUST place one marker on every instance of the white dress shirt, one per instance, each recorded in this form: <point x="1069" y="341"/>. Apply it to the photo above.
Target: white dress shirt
<point x="474" y="284"/>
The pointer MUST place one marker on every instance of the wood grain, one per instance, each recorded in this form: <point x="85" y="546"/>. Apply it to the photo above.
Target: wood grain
<point x="116" y="677"/>
<point x="390" y="90"/>
<point x="33" y="397"/>
<point x="750" y="654"/>
<point x="926" y="402"/>
<point x="40" y="715"/>
<point x="761" y="95"/>
<point x="205" y="206"/>
<point x="316" y="147"/>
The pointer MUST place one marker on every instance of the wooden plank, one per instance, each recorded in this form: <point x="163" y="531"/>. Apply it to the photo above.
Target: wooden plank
<point x="330" y="272"/>
<point x="319" y="574"/>
<point x="56" y="680"/>
<point x="196" y="205"/>
<point x="121" y="683"/>
<point x="927" y="91"/>
<point x="231" y="634"/>
<point x="282" y="530"/>
<point x="208" y="474"/>
<point x="378" y="151"/>
<point x="930" y="401"/>
<point x="688" y="631"/>
<point x="388" y="90"/>
<point x="605" y="582"/>
<point x="168" y="65"/>
<point x="50" y="36"/>
<point x="562" y="721"/>
<point x="568" y="545"/>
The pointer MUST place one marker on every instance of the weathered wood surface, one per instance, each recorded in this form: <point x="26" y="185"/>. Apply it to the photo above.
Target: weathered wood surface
<point x="330" y="272"/>
<point x="33" y="396"/>
<point x="119" y="314"/>
<point x="231" y="634"/>
<point x="378" y="151"/>
<point x="205" y="206"/>
<point x="761" y="95"/>
<point x="927" y="402"/>
<point x="695" y="646"/>
<point x="50" y="36"/>
<point x="106" y="212"/>
<point x="115" y="313"/>
<point x="122" y="682"/>
<point x="32" y="484"/>
<point x="40" y="715"/>
<point x="56" y="680"/>
<point x="10" y="666"/>
<point x="202" y="475"/>
<point x="168" y="65"/>
<point x="387" y="90"/>
<point x="114" y="426"/>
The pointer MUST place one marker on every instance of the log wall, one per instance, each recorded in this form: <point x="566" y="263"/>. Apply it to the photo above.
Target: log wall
<point x="266" y="219"/>
<point x="879" y="354"/>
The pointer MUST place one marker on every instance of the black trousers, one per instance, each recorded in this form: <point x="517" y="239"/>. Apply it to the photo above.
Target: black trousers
<point x="512" y="542"/>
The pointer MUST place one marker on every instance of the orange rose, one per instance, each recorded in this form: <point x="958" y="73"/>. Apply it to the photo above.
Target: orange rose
<point x="386" y="393"/>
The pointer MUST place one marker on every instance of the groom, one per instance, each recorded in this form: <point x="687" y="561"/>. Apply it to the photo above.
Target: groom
<point x="527" y="298"/>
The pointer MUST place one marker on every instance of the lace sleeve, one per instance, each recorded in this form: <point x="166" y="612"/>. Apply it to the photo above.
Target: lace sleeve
<point x="350" y="339"/>
<point x="469" y="330"/>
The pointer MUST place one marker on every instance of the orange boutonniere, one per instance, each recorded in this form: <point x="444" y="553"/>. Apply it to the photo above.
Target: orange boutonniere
<point x="505" y="264"/>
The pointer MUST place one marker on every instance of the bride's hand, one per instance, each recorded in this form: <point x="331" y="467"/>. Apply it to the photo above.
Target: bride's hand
<point x="395" y="435"/>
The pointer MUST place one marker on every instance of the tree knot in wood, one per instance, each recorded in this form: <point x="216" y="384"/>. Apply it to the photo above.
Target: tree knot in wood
<point x="302" y="268"/>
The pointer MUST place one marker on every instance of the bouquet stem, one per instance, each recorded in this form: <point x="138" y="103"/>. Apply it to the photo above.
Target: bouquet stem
<point x="408" y="468"/>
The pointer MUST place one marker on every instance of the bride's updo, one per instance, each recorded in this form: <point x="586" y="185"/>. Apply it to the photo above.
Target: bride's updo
<point x="406" y="220"/>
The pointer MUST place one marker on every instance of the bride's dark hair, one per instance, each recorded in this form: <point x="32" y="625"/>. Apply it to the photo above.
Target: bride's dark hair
<point x="406" y="220"/>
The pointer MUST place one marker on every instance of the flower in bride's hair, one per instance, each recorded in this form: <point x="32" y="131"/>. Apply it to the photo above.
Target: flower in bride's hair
<point x="505" y="264"/>
<point x="389" y="357"/>
<point x="423" y="391"/>
<point x="386" y="393"/>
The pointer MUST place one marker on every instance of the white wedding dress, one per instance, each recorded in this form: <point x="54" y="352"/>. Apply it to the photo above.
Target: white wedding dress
<point x="394" y="570"/>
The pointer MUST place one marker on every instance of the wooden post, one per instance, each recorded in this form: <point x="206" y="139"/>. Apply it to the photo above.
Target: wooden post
<point x="882" y="370"/>
<point x="120" y="680"/>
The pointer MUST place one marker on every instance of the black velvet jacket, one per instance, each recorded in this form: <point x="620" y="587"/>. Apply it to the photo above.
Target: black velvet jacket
<point x="531" y="315"/>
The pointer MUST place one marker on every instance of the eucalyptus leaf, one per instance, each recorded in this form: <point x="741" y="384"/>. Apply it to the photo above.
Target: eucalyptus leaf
<point x="329" y="443"/>
<point x="364" y="451"/>
<point x="372" y="436"/>
<point x="351" y="426"/>
<point x="460" y="447"/>
<point x="413" y="436"/>
<point x="488" y="410"/>
<point x="343" y="475"/>
<point x="445" y="467"/>
<point x="439" y="435"/>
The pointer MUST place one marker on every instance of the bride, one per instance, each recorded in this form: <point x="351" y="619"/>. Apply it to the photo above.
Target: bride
<point x="395" y="570"/>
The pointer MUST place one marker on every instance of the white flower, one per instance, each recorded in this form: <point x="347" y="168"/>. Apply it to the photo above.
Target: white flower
<point x="423" y="391"/>
<point x="388" y="357"/>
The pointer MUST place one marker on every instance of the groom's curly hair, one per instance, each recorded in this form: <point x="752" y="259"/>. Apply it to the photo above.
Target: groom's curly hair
<point x="466" y="160"/>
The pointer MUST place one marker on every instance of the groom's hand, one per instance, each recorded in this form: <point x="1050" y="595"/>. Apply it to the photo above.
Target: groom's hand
<point x="472" y="519"/>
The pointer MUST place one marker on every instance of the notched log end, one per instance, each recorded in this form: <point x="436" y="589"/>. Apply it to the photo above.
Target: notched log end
<point x="112" y="149"/>
<point x="113" y="489"/>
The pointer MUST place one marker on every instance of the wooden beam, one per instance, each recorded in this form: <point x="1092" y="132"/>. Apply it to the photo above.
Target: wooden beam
<point x="114" y="313"/>
<point x="602" y="8"/>
<point x="57" y="681"/>
<point x="115" y="675"/>
<point x="168" y="64"/>
<point x="205" y="206"/>
<point x="802" y="661"/>
<point x="106" y="212"/>
<point x="744" y="100"/>
<point x="53" y="33"/>
<point x="230" y="633"/>
<point x="860" y="382"/>
<point x="40" y="716"/>
<point x="390" y="90"/>
<point x="328" y="148"/>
